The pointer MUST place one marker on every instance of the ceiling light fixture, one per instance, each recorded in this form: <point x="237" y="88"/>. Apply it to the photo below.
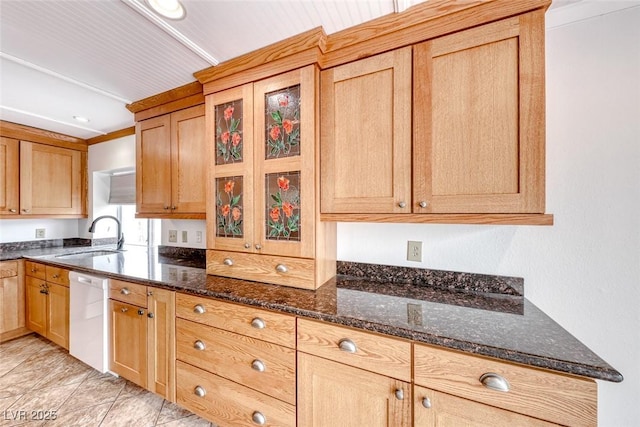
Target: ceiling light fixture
<point x="81" y="119"/>
<point x="171" y="9"/>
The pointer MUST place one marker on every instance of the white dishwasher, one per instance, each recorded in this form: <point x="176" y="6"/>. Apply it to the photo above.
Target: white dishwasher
<point x="88" y="319"/>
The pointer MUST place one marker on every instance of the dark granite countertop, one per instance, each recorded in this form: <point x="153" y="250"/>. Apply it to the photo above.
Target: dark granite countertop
<point x="484" y="315"/>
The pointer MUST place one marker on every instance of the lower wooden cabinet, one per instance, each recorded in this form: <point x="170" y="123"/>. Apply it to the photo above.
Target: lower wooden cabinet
<point x="12" y="300"/>
<point x="142" y="336"/>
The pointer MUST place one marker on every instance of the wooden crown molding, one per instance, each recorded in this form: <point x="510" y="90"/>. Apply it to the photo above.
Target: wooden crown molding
<point x="112" y="135"/>
<point x="28" y="133"/>
<point x="172" y="100"/>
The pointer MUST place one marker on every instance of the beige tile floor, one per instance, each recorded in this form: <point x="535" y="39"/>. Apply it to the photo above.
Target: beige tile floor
<point x="39" y="379"/>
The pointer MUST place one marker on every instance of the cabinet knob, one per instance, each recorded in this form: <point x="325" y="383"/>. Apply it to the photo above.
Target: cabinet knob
<point x="56" y="276"/>
<point x="423" y="204"/>
<point x="258" y="246"/>
<point x="173" y="208"/>
<point x="259" y="418"/>
<point x="166" y="208"/>
<point x="247" y="245"/>
<point x="495" y="382"/>
<point x="33" y="269"/>
<point x="150" y="315"/>
<point x="402" y="204"/>
<point x="347" y="345"/>
<point x="199" y="391"/>
<point x="125" y="291"/>
<point x="426" y="402"/>
<point x="149" y="293"/>
<point x="198" y="308"/>
<point x="26" y="210"/>
<point x="258" y="365"/>
<point x="281" y="268"/>
<point x="12" y="210"/>
<point x="124" y="309"/>
<point x="199" y="345"/>
<point x="399" y="394"/>
<point x="258" y="323"/>
<point x="228" y="261"/>
<point x="140" y="312"/>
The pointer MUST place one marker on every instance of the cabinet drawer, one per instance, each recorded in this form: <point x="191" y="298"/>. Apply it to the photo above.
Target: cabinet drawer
<point x="223" y="401"/>
<point x="35" y="269"/>
<point x="383" y="355"/>
<point x="8" y="269"/>
<point x="244" y="320"/>
<point x="266" y="367"/>
<point x="131" y="293"/>
<point x="279" y="270"/>
<point x="57" y="275"/>
<point x="553" y="397"/>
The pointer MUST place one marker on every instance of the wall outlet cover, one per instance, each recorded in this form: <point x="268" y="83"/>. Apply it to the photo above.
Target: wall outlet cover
<point x="41" y="233"/>
<point x="184" y="236"/>
<point x="173" y="236"/>
<point x="414" y="251"/>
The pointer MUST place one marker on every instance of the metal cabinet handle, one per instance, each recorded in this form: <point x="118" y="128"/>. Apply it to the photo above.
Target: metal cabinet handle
<point x="402" y="204"/>
<point x="198" y="308"/>
<point x="125" y="291"/>
<point x="173" y="208"/>
<point x="228" y="261"/>
<point x="166" y="208"/>
<point x="149" y="293"/>
<point x="56" y="276"/>
<point x="150" y="315"/>
<point x="258" y="323"/>
<point x="140" y="312"/>
<point x="124" y="309"/>
<point x="199" y="345"/>
<point x="199" y="391"/>
<point x="399" y="394"/>
<point x="258" y="365"/>
<point x="281" y="268"/>
<point x="347" y="345"/>
<point x="26" y="210"/>
<point x="258" y="246"/>
<point x="495" y="382"/>
<point x="259" y="418"/>
<point x="12" y="210"/>
<point x="247" y="245"/>
<point x="423" y="204"/>
<point x="426" y="402"/>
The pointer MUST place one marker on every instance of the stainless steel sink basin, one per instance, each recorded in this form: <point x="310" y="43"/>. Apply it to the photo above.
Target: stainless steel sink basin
<point x="88" y="254"/>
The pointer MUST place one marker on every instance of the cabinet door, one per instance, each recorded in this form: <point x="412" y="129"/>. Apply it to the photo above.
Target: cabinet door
<point x="58" y="314"/>
<point x="50" y="180"/>
<point x="230" y="206"/>
<point x="433" y="409"/>
<point x="9" y="176"/>
<point x="479" y="119"/>
<point x="36" y="305"/>
<point x="128" y="350"/>
<point x="161" y="348"/>
<point x="366" y="135"/>
<point x="332" y="394"/>
<point x="153" y="165"/>
<point x="188" y="148"/>
<point x="285" y="181"/>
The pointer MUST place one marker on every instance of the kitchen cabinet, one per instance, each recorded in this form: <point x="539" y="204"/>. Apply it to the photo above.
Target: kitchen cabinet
<point x="142" y="336"/>
<point x="262" y="209"/>
<point x="457" y="387"/>
<point x="9" y="176"/>
<point x="12" y="300"/>
<point x="350" y="377"/>
<point x="47" y="300"/>
<point x="475" y="102"/>
<point x="170" y="165"/>
<point x="236" y="364"/>
<point x="51" y="180"/>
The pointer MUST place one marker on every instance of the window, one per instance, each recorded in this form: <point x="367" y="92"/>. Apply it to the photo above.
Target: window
<point x="137" y="231"/>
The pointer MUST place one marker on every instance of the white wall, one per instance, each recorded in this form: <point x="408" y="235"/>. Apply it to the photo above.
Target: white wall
<point x="24" y="230"/>
<point x="191" y="226"/>
<point x="584" y="271"/>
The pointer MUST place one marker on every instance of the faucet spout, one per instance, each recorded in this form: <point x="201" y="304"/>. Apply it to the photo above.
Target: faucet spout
<point x="120" y="236"/>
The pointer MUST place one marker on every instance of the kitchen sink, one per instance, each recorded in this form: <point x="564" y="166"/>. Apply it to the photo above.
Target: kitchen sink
<point x="88" y="254"/>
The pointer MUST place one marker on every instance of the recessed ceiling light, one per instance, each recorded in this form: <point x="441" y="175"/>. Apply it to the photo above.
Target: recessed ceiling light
<point x="171" y="9"/>
<point x="81" y="119"/>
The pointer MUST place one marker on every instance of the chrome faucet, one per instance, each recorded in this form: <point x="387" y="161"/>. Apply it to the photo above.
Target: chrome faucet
<point x="120" y="236"/>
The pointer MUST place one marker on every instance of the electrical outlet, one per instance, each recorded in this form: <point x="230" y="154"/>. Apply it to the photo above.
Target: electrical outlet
<point x="173" y="236"/>
<point x="184" y="236"/>
<point x="198" y="236"/>
<point x="414" y="251"/>
<point x="40" y="233"/>
<point x="414" y="314"/>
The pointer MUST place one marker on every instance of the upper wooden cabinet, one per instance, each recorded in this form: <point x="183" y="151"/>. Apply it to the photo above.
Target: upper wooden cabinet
<point x="452" y="125"/>
<point x="9" y="176"/>
<point x="171" y="165"/>
<point x="51" y="180"/>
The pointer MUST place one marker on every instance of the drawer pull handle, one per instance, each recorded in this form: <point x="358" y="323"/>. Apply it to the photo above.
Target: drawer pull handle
<point x="247" y="245"/>
<point x="124" y="309"/>
<point x="259" y="418"/>
<point x="281" y="268"/>
<point x="258" y="323"/>
<point x="199" y="309"/>
<point x="347" y="345"/>
<point x="399" y="394"/>
<point x="426" y="402"/>
<point x="423" y="204"/>
<point x="258" y="246"/>
<point x="228" y="261"/>
<point x="199" y="345"/>
<point x="402" y="204"/>
<point x="56" y="276"/>
<point x="494" y="382"/>
<point x="199" y="391"/>
<point x="12" y="210"/>
<point x="258" y="365"/>
<point x="140" y="312"/>
<point x="125" y="291"/>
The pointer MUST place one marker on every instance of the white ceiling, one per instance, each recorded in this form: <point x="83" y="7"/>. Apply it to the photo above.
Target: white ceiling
<point x="60" y="58"/>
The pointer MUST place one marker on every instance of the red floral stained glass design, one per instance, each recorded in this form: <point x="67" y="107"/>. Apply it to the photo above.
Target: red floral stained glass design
<point x="229" y="209"/>
<point x="283" y="206"/>
<point x="282" y="123"/>
<point x="229" y="136"/>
